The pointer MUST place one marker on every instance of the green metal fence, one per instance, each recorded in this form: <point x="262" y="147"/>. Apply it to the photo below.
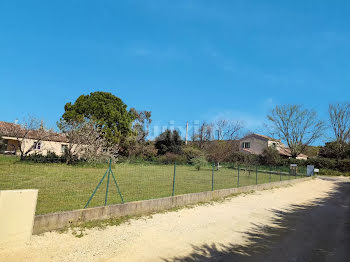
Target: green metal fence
<point x="62" y="187"/>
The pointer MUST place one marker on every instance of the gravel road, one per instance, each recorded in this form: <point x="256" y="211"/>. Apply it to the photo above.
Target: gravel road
<point x="303" y="222"/>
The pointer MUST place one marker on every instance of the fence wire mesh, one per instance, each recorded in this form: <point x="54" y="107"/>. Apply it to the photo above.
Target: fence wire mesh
<point x="63" y="187"/>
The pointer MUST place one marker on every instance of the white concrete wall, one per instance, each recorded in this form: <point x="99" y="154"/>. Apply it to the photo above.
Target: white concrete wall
<point x="257" y="145"/>
<point x="46" y="146"/>
<point x="17" y="210"/>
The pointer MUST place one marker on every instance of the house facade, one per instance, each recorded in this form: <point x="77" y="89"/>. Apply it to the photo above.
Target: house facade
<point x="12" y="136"/>
<point x="256" y="144"/>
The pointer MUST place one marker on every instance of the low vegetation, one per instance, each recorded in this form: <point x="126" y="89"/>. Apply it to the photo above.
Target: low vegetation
<point x="67" y="187"/>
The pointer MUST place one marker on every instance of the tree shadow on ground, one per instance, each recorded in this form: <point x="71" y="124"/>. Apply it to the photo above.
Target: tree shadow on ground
<point x="316" y="232"/>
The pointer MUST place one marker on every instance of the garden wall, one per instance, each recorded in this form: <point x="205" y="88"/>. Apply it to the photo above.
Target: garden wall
<point x="60" y="220"/>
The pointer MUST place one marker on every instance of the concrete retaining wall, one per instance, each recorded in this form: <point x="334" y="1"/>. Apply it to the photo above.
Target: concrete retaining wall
<point x="48" y="222"/>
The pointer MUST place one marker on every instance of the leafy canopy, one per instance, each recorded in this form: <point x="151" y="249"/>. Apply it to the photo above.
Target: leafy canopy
<point x="105" y="110"/>
<point x="169" y="142"/>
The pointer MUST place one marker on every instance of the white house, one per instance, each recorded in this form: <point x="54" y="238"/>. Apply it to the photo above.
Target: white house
<point x="256" y="144"/>
<point x="13" y="135"/>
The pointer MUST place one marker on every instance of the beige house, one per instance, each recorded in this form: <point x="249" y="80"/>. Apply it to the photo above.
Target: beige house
<point x="256" y="144"/>
<point x="12" y="136"/>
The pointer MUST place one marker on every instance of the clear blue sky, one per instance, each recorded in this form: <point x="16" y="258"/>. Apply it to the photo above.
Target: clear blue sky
<point x="181" y="59"/>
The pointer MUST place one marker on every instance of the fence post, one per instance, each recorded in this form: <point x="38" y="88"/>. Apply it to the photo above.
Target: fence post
<point x="238" y="177"/>
<point x="97" y="187"/>
<point x="173" y="194"/>
<point x="107" y="187"/>
<point x="212" y="178"/>
<point x="256" y="174"/>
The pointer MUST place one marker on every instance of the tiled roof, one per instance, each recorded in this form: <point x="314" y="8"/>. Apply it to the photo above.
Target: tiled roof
<point x="285" y="151"/>
<point x="15" y="130"/>
<point x="247" y="150"/>
<point x="261" y="136"/>
<point x="302" y="155"/>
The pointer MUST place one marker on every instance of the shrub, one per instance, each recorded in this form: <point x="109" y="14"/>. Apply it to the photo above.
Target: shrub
<point x="199" y="162"/>
<point x="244" y="159"/>
<point x="329" y="172"/>
<point x="270" y="157"/>
<point x="331" y="150"/>
<point x="326" y="163"/>
<point x="191" y="153"/>
<point x="50" y="157"/>
<point x="342" y="166"/>
<point x="149" y="152"/>
<point x="170" y="158"/>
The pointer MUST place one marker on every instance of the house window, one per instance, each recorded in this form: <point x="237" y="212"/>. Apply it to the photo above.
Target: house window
<point x="64" y="149"/>
<point x="246" y="145"/>
<point x="37" y="145"/>
<point x="274" y="145"/>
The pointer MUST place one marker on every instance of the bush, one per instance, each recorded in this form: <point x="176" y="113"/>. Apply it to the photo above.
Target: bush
<point x="331" y="150"/>
<point x="326" y="163"/>
<point x="50" y="157"/>
<point x="329" y="172"/>
<point x="199" y="162"/>
<point x="341" y="166"/>
<point x="170" y="158"/>
<point x="270" y="157"/>
<point x="192" y="153"/>
<point x="244" y="159"/>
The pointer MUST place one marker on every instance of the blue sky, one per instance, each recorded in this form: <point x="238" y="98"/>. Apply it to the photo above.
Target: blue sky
<point x="183" y="60"/>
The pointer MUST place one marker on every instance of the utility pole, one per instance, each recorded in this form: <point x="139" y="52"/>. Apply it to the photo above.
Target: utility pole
<point x="193" y="132"/>
<point x="186" y="133"/>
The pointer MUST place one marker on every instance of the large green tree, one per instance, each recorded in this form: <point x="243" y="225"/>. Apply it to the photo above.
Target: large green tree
<point x="106" y="111"/>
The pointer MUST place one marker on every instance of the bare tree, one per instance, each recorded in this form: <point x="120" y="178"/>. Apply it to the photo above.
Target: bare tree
<point x="30" y="129"/>
<point x="141" y="124"/>
<point x="208" y="132"/>
<point x="228" y="129"/>
<point x="204" y="134"/>
<point x="219" y="151"/>
<point x="339" y="116"/>
<point x="136" y="143"/>
<point x="85" y="140"/>
<point x="297" y="126"/>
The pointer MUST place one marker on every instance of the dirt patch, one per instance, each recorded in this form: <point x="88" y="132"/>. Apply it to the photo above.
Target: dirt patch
<point x="172" y="234"/>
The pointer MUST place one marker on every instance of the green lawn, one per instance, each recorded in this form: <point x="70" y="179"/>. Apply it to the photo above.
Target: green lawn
<point x="63" y="187"/>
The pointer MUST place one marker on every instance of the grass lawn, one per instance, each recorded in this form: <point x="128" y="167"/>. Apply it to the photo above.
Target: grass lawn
<point x="63" y="187"/>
